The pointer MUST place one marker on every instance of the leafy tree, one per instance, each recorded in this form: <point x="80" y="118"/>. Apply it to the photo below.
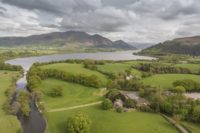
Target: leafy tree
<point x="179" y="89"/>
<point x="80" y="123"/>
<point x="196" y="113"/>
<point x="24" y="101"/>
<point x="107" y="104"/>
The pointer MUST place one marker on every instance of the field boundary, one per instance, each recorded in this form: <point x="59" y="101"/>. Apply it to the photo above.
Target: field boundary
<point x="178" y="126"/>
<point x="74" y="107"/>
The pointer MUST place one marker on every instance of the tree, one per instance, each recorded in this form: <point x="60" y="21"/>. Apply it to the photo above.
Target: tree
<point x="107" y="104"/>
<point x="179" y="89"/>
<point x="80" y="123"/>
<point x="196" y="114"/>
<point x="24" y="101"/>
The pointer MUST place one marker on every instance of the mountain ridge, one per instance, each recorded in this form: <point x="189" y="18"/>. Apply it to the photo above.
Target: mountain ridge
<point x="64" y="39"/>
<point x="184" y="45"/>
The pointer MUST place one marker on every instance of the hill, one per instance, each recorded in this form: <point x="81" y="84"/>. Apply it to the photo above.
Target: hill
<point x="186" y="45"/>
<point x="64" y="40"/>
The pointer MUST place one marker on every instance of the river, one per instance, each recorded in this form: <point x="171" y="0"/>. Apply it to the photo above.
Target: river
<point x="36" y="123"/>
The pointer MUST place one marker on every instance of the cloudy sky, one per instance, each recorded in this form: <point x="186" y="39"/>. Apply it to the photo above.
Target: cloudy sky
<point x="130" y="20"/>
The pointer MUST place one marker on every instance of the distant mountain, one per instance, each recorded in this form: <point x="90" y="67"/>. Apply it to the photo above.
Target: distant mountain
<point x="140" y="45"/>
<point x="186" y="45"/>
<point x="65" y="40"/>
<point x="121" y="44"/>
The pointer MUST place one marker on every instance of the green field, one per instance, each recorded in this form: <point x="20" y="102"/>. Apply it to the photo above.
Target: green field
<point x="73" y="94"/>
<point x="8" y="123"/>
<point x="193" y="67"/>
<point x="114" y="67"/>
<point x="75" y="69"/>
<point x="102" y="121"/>
<point x="112" y="122"/>
<point x="166" y="80"/>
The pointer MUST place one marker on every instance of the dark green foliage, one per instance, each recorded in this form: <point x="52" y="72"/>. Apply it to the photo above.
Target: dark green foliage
<point x="80" y="123"/>
<point x="119" y="109"/>
<point x="24" y="101"/>
<point x="58" y="91"/>
<point x="178" y="89"/>
<point x="130" y="103"/>
<point x="115" y="94"/>
<point x="9" y="67"/>
<point x="196" y="113"/>
<point x="106" y="104"/>
<point x="161" y="68"/>
<point x="188" y="84"/>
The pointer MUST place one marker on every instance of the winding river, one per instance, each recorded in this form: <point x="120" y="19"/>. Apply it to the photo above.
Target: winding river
<point x="36" y="123"/>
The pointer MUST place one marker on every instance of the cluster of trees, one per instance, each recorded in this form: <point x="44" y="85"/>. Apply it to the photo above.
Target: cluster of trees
<point x="115" y="94"/>
<point x="24" y="102"/>
<point x="174" y="104"/>
<point x="9" y="67"/>
<point x="188" y="84"/>
<point x="160" y="68"/>
<point x="10" y="106"/>
<point x="121" y="83"/>
<point x="35" y="76"/>
<point x="80" y="123"/>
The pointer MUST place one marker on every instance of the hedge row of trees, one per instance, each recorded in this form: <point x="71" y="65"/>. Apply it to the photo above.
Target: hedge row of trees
<point x="35" y="75"/>
<point x="9" y="67"/>
<point x="160" y="68"/>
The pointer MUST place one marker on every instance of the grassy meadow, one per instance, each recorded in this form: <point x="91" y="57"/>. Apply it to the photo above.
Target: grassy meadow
<point x="114" y="67"/>
<point x="73" y="94"/>
<point x="166" y="80"/>
<point x="112" y="122"/>
<point x="8" y="123"/>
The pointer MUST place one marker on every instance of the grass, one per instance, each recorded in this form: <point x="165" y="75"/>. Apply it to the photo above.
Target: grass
<point x="112" y="122"/>
<point x="193" y="67"/>
<point x="8" y="123"/>
<point x="194" y="128"/>
<point x="102" y="121"/>
<point x="73" y="94"/>
<point x="166" y="80"/>
<point x="75" y="69"/>
<point x="114" y="67"/>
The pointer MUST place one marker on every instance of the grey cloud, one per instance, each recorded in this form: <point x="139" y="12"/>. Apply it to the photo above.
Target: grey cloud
<point x="134" y="20"/>
<point x="56" y="7"/>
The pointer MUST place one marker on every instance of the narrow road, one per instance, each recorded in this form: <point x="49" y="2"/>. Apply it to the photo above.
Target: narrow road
<point x="74" y="107"/>
<point x="177" y="125"/>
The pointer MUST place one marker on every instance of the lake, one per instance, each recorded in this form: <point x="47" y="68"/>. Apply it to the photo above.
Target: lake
<point x="119" y="55"/>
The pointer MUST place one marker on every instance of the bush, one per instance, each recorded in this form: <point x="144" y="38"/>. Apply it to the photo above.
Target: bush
<point x="130" y="103"/>
<point x="107" y="104"/>
<point x="80" y="123"/>
<point x="58" y="91"/>
<point x="188" y="84"/>
<point x="119" y="109"/>
<point x="179" y="89"/>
